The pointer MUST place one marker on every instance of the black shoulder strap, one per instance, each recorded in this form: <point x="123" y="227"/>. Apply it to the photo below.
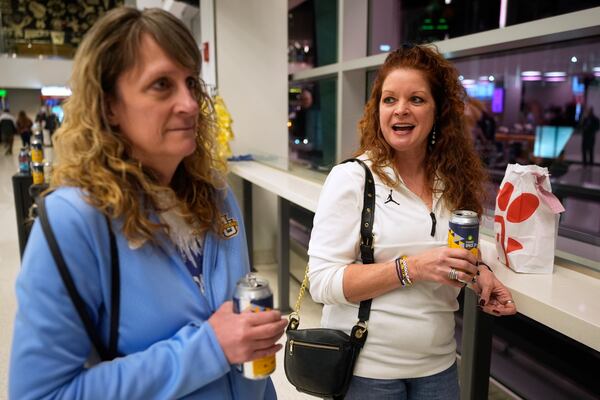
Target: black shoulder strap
<point x="366" y="231"/>
<point x="104" y="353"/>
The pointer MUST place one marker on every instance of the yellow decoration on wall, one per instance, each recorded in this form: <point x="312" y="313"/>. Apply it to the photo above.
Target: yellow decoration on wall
<point x="224" y="130"/>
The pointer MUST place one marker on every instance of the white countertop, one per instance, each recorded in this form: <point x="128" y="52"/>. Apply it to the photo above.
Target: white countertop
<point x="298" y="190"/>
<point x="567" y="300"/>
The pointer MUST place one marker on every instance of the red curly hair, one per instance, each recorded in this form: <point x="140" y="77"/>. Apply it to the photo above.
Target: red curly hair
<point x="453" y="157"/>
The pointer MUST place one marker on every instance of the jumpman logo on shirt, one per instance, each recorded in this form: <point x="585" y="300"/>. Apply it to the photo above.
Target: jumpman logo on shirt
<point x="390" y="199"/>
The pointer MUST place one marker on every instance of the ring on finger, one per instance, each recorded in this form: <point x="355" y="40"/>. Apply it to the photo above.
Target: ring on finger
<point x="509" y="302"/>
<point x="452" y="275"/>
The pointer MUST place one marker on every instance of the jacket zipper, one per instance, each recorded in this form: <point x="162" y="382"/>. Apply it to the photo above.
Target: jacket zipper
<point x="311" y="345"/>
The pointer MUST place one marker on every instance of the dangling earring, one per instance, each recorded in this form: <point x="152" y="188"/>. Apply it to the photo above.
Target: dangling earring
<point x="432" y="143"/>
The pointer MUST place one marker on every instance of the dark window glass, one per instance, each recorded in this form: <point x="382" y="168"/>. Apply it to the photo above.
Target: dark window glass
<point x="312" y="34"/>
<point x="312" y="123"/>
<point x="537" y="106"/>
<point x="392" y="22"/>
<point x="523" y="11"/>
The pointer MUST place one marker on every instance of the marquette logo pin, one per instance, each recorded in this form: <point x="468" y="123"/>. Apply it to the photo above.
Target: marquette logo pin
<point x="230" y="226"/>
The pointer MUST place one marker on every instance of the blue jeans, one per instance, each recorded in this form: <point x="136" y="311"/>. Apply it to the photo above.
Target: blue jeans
<point x="441" y="386"/>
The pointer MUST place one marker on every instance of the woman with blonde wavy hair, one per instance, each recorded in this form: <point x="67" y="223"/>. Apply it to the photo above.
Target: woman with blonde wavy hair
<point x="135" y="161"/>
<point x="414" y="140"/>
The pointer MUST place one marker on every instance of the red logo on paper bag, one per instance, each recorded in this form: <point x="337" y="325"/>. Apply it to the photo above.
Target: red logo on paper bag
<point x="519" y="210"/>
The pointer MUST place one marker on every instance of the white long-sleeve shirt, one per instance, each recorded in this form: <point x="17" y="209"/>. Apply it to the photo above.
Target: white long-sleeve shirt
<point x="411" y="329"/>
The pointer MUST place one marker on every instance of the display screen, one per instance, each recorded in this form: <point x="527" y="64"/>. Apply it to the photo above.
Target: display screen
<point x="498" y="101"/>
<point x="550" y="140"/>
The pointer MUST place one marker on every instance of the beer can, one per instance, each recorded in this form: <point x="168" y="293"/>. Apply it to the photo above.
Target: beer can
<point x="37" y="171"/>
<point x="254" y="294"/>
<point x="463" y="231"/>
<point x="37" y="152"/>
<point x="39" y="136"/>
<point x="24" y="161"/>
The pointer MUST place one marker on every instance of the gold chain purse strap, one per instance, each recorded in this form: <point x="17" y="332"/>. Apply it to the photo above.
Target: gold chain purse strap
<point x="366" y="253"/>
<point x="294" y="317"/>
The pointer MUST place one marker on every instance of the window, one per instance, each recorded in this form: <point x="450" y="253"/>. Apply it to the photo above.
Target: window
<point x="536" y="101"/>
<point x="312" y="34"/>
<point x="312" y="123"/>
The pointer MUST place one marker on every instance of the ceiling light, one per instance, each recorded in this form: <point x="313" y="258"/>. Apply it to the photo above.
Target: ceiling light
<point x="531" y="73"/>
<point x="531" y="78"/>
<point x="56" y="91"/>
<point x="573" y="59"/>
<point x="555" y="74"/>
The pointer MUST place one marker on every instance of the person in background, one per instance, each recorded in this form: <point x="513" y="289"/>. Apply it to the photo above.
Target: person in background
<point x="40" y="117"/>
<point x="8" y="128"/>
<point x="483" y="130"/>
<point x="52" y="123"/>
<point x="24" y="125"/>
<point x="413" y="138"/>
<point x="589" y="126"/>
<point x="135" y="153"/>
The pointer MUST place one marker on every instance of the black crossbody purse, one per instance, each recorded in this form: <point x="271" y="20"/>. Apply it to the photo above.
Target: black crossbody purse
<point x="321" y="361"/>
<point x="104" y="353"/>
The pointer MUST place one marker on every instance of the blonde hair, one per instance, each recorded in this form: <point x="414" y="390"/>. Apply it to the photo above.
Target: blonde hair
<point x="453" y="158"/>
<point x="97" y="159"/>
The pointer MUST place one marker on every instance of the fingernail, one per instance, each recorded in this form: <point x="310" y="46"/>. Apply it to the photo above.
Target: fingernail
<point x="482" y="303"/>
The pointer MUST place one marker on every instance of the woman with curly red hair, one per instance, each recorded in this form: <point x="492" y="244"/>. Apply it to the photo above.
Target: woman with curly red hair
<point x="413" y="138"/>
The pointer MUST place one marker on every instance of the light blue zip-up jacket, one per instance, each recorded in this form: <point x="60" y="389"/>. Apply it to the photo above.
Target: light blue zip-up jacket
<point x="171" y="350"/>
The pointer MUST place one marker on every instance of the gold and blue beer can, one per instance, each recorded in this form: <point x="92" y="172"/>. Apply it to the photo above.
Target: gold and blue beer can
<point x="37" y="151"/>
<point x="463" y="231"/>
<point x="37" y="173"/>
<point x="254" y="294"/>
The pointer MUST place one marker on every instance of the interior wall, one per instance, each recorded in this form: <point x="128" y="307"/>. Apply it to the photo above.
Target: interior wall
<point x="251" y="44"/>
<point x="549" y="93"/>
<point x="27" y="100"/>
<point x="251" y="55"/>
<point x="33" y="73"/>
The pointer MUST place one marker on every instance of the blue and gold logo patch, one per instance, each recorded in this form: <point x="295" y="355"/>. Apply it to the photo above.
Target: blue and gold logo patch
<point x="230" y="226"/>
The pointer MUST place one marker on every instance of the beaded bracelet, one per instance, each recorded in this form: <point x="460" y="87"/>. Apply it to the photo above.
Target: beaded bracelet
<point x="405" y="275"/>
<point x="402" y="271"/>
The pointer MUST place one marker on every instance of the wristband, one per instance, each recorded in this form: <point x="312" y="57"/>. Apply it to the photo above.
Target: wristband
<point x="404" y="266"/>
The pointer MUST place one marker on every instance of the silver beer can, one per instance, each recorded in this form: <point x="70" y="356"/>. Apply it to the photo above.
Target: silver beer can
<point x="254" y="294"/>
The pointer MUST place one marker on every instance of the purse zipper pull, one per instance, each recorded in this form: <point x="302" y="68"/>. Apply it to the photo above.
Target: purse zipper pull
<point x="291" y="347"/>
